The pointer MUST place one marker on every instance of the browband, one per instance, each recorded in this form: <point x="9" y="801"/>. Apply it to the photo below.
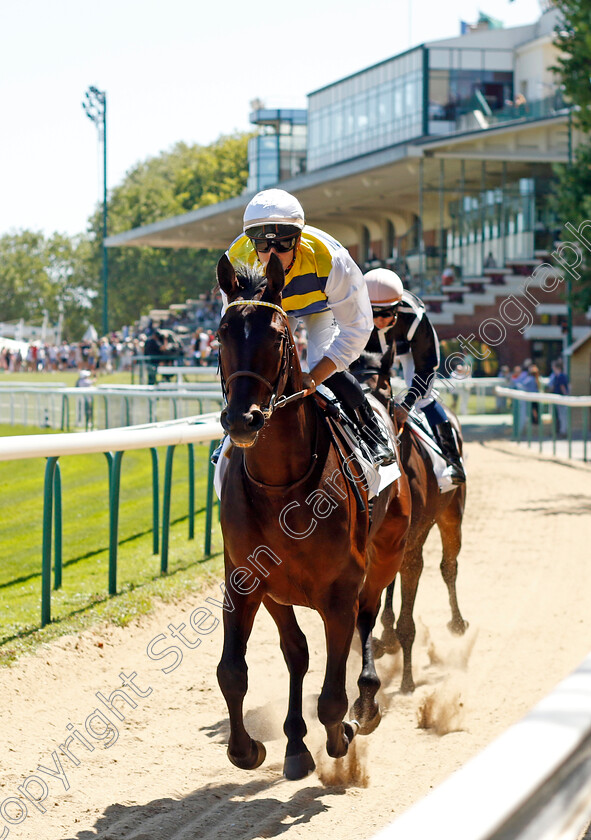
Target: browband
<point x="256" y="303"/>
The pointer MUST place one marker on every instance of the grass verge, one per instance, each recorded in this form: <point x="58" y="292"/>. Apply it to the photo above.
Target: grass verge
<point x="83" y="599"/>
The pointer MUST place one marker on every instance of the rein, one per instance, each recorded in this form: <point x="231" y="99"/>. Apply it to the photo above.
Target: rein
<point x="276" y="400"/>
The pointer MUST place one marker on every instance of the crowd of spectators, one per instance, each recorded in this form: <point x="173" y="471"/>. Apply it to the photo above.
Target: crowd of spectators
<point x="170" y="340"/>
<point x="526" y="377"/>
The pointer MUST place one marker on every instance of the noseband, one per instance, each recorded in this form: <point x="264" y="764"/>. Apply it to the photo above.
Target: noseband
<point x="276" y="400"/>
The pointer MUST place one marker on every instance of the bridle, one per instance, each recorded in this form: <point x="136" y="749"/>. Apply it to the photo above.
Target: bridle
<point x="277" y="399"/>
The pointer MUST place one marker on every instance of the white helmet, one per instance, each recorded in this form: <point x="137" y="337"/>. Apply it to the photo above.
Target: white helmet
<point x="273" y="207"/>
<point x="384" y="287"/>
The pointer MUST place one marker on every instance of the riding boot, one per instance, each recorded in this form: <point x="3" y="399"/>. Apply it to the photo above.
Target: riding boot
<point x="449" y="447"/>
<point x="374" y="435"/>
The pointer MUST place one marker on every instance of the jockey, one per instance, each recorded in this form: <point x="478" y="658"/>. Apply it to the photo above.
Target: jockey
<point x="325" y="289"/>
<point x="401" y="324"/>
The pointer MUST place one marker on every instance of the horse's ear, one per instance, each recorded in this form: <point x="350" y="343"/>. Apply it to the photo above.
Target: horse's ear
<point x="275" y="278"/>
<point x="226" y="276"/>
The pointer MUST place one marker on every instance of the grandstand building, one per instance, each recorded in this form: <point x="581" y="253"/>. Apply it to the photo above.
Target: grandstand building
<point x="440" y="156"/>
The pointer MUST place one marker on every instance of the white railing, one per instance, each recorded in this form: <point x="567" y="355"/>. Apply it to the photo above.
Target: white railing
<point x="200" y="429"/>
<point x="543" y="397"/>
<point x="571" y="413"/>
<point x="531" y="783"/>
<point x="104" y="406"/>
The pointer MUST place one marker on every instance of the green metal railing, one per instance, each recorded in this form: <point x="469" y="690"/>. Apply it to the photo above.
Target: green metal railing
<point x="52" y="506"/>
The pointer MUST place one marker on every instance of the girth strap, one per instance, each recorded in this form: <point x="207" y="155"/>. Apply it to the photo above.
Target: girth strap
<point x="341" y="444"/>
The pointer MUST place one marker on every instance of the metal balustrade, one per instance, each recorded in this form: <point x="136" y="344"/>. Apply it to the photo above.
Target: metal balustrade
<point x="113" y="443"/>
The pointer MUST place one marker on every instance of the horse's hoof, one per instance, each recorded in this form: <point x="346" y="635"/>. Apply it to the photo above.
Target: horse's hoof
<point x="251" y="762"/>
<point x="407" y="686"/>
<point x="298" y="766"/>
<point x="379" y="648"/>
<point x="366" y="725"/>
<point x="351" y="729"/>
<point x="458" y="628"/>
<point x="389" y="642"/>
<point x="337" y="746"/>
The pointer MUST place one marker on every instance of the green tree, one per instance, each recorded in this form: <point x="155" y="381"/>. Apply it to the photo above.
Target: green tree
<point x="39" y="275"/>
<point x="573" y="38"/>
<point x="572" y="198"/>
<point x="175" y="182"/>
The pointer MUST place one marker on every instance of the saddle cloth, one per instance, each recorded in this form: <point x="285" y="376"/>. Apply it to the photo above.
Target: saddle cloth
<point x="377" y="477"/>
<point x="441" y="468"/>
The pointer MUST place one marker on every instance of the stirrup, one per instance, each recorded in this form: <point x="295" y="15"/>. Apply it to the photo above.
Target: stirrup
<point x="215" y="455"/>
<point x="457" y="474"/>
<point x="381" y="453"/>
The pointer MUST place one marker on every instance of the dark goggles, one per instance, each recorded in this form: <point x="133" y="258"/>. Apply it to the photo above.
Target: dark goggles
<point x="281" y="245"/>
<point x="385" y="312"/>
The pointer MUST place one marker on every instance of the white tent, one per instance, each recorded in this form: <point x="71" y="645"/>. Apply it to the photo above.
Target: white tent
<point x="13" y="345"/>
<point x="90" y="334"/>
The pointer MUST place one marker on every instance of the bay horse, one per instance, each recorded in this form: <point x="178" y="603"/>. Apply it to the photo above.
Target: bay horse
<point x="296" y="530"/>
<point x="429" y="507"/>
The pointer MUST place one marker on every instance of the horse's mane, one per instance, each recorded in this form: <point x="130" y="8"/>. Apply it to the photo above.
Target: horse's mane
<point x="251" y="279"/>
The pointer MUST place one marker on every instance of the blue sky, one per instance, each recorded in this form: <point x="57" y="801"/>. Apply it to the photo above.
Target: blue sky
<point x="175" y="70"/>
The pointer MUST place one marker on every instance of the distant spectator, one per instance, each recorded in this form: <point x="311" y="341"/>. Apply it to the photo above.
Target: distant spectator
<point x="516" y="377"/>
<point x="86" y="380"/>
<point x="521" y="105"/>
<point x="490" y="261"/>
<point x="153" y="348"/>
<point x="558" y="384"/>
<point x="105" y="355"/>
<point x="531" y="382"/>
<point x="504" y="374"/>
<point x="301" y="342"/>
<point x="448" y="277"/>
<point x="203" y="344"/>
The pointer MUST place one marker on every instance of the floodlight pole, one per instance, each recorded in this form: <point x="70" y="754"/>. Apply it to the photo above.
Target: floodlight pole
<point x="95" y="107"/>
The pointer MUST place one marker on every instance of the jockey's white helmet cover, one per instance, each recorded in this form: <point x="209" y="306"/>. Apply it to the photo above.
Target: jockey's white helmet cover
<point x="383" y="286"/>
<point x="273" y="207"/>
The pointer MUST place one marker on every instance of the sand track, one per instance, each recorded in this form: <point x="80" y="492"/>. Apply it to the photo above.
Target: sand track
<point x="524" y="585"/>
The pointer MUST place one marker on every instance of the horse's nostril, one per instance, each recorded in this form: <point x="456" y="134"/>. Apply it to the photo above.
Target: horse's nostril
<point x="224" y="419"/>
<point x="257" y="420"/>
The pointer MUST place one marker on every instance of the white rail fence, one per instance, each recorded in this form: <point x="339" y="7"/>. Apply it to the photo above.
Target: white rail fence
<point x="53" y="405"/>
<point x="571" y="413"/>
<point x="531" y="783"/>
<point x="105" y="407"/>
<point x="199" y="429"/>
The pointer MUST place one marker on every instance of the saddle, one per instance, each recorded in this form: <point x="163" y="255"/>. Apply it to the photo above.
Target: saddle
<point x="352" y="448"/>
<point x="422" y="431"/>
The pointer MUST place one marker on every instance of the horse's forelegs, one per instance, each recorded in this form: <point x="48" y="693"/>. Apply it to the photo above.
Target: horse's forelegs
<point x="232" y="675"/>
<point x="339" y="624"/>
<point x="298" y="760"/>
<point x="405" y="628"/>
<point x="450" y="528"/>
